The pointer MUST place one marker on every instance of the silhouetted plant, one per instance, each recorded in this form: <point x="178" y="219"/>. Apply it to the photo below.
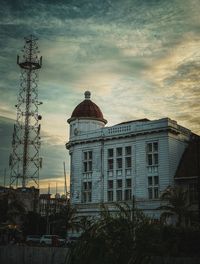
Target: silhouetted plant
<point x="66" y="219"/>
<point x="16" y="211"/>
<point x="112" y="238"/>
<point x="177" y="205"/>
<point x="123" y="234"/>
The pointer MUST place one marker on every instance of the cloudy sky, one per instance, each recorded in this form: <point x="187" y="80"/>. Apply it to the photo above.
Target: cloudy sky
<point x="139" y="59"/>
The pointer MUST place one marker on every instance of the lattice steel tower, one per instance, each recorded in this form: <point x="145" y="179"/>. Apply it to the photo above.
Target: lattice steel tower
<point x="24" y="160"/>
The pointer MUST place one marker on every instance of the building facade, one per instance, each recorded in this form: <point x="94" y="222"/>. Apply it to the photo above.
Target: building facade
<point x="112" y="164"/>
<point x="28" y="197"/>
<point x="51" y="206"/>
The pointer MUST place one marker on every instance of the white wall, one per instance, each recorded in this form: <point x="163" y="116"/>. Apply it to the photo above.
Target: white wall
<point x="137" y="135"/>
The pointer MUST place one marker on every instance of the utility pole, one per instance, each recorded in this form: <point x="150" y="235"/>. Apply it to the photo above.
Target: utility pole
<point x="48" y="211"/>
<point x="24" y="160"/>
<point x="133" y="216"/>
<point x="4" y="178"/>
<point x="65" y="178"/>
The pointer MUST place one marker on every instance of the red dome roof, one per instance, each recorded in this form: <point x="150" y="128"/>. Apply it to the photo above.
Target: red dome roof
<point x="87" y="109"/>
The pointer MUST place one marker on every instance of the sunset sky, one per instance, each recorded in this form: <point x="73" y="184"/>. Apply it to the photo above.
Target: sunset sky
<point x="139" y="59"/>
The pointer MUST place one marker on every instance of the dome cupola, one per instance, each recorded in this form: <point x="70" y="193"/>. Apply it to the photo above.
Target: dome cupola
<point x="87" y="110"/>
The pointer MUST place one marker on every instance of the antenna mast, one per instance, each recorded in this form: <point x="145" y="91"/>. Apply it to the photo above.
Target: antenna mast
<point x="25" y="161"/>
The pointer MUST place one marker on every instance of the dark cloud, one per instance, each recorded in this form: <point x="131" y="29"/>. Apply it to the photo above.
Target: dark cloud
<point x="53" y="157"/>
<point x="6" y="130"/>
<point x="109" y="47"/>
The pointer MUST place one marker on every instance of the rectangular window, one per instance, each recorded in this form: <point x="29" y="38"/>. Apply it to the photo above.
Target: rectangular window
<point x="150" y="159"/>
<point x="119" y="195"/>
<point x="128" y="172"/>
<point x="119" y="173"/>
<point x="128" y="194"/>
<point x="119" y="152"/>
<point x="155" y="193"/>
<point x="87" y="197"/>
<point x="110" y="164"/>
<point x="128" y="151"/>
<point x="85" y="155"/>
<point x="90" y="165"/>
<point x="128" y="183"/>
<point x="155" y="146"/>
<point x="152" y="154"/>
<point x="110" y="196"/>
<point x="110" y="153"/>
<point x="128" y="190"/>
<point x="87" y="166"/>
<point x="156" y="180"/>
<point x="88" y="155"/>
<point x="87" y="161"/>
<point x="110" y="184"/>
<point x="150" y="181"/>
<point x="87" y="186"/>
<point x="153" y="187"/>
<point x="149" y="147"/>
<point x="87" y="192"/>
<point x="110" y="173"/>
<point x="128" y="162"/>
<point x="155" y="158"/>
<point x="119" y="163"/>
<point x="150" y="193"/>
<point x="119" y="183"/>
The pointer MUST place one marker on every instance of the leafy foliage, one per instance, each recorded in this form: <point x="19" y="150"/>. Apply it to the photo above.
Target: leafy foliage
<point x="3" y="208"/>
<point x="177" y="205"/>
<point x="124" y="234"/>
<point x="65" y="220"/>
<point x="112" y="238"/>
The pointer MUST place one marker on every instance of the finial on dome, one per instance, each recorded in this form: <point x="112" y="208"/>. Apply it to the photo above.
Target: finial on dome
<point x="87" y="95"/>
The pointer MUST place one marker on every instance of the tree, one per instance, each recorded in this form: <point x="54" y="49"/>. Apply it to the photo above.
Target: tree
<point x="16" y="209"/>
<point x="66" y="219"/>
<point x="177" y="205"/>
<point x="3" y="207"/>
<point x="113" y="238"/>
<point x="34" y="224"/>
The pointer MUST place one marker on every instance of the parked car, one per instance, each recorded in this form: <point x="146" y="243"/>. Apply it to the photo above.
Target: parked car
<point x="51" y="240"/>
<point x="71" y="240"/>
<point x="72" y="237"/>
<point x="33" y="239"/>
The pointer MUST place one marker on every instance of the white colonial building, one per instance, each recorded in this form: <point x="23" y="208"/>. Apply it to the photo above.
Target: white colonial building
<point x="110" y="164"/>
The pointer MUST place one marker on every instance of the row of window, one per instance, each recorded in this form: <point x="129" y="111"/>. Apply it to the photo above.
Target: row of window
<point x="119" y="195"/>
<point x="87" y="195"/>
<point x="120" y="155"/>
<point x="153" y="189"/>
<point x="119" y="184"/>
<point x="119" y="163"/>
<point x="118" y="158"/>
<point x="119" y="152"/>
<point x="153" y="192"/>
